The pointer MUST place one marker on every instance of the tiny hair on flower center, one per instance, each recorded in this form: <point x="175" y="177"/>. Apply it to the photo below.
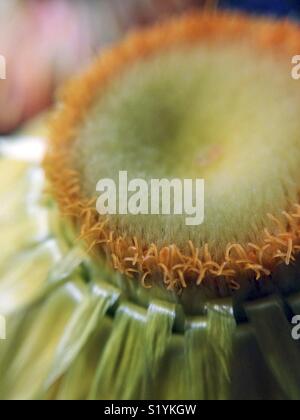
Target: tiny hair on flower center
<point x="205" y="96"/>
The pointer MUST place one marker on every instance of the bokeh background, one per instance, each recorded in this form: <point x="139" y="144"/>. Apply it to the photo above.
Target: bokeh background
<point x="47" y="41"/>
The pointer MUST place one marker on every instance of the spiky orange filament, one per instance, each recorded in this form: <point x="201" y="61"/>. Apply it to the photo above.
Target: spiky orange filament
<point x="176" y="267"/>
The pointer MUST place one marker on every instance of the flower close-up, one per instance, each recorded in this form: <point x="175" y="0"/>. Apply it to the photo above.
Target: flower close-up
<point x="151" y="233"/>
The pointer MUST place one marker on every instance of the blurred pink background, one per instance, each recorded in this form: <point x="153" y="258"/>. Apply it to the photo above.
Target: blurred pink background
<point x="46" y="41"/>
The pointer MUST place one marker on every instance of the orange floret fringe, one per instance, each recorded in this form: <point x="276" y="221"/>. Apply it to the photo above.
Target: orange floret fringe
<point x="177" y="268"/>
